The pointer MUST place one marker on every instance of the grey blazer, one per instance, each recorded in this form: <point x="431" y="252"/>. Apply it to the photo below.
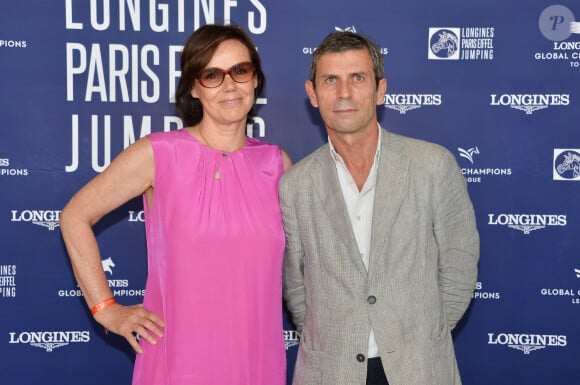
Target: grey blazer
<point x="422" y="270"/>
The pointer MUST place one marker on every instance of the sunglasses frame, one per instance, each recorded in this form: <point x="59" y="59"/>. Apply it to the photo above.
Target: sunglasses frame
<point x="231" y="71"/>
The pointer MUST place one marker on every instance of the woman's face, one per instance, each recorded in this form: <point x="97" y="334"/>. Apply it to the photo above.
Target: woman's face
<point x="230" y="102"/>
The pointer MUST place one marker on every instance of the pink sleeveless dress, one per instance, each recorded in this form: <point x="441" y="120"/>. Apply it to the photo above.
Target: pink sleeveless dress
<point x="215" y="247"/>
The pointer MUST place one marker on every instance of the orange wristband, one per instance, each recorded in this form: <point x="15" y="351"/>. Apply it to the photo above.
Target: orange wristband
<point x="102" y="305"/>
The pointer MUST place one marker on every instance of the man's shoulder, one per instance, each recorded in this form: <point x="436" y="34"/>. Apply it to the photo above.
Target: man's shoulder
<point x="414" y="148"/>
<point x="306" y="164"/>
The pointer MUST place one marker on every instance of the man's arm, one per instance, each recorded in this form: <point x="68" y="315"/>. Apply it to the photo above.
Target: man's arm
<point x="457" y="237"/>
<point x="293" y="256"/>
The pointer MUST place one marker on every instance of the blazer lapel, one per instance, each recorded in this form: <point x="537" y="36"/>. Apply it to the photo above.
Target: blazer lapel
<point x="325" y="180"/>
<point x="390" y="189"/>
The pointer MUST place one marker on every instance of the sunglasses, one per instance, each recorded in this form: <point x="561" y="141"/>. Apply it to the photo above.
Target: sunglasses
<point x="214" y="77"/>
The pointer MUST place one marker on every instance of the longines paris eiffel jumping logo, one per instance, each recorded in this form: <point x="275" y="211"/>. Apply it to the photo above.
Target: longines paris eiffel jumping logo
<point x="453" y="43"/>
<point x="7" y="281"/>
<point x="566" y="164"/>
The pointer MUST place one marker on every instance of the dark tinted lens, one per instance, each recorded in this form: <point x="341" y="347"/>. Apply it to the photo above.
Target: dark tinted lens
<point x="211" y="77"/>
<point x="242" y="72"/>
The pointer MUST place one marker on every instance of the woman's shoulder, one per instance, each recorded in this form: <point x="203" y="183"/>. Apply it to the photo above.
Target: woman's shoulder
<point x="168" y="136"/>
<point x="265" y="150"/>
<point x="173" y="144"/>
<point x="255" y="144"/>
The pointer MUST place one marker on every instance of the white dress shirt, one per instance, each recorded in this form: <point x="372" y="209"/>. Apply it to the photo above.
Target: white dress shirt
<point x="359" y="205"/>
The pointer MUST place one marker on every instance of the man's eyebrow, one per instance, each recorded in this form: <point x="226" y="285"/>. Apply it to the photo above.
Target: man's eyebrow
<point x="353" y="73"/>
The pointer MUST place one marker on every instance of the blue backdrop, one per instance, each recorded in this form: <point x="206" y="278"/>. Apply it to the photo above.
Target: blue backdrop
<point x="495" y="82"/>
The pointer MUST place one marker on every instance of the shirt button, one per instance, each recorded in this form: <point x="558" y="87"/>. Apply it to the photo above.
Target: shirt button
<point x="371" y="299"/>
<point x="360" y="357"/>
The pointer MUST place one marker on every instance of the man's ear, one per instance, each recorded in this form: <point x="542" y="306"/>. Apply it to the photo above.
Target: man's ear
<point x="381" y="91"/>
<point x="309" y="86"/>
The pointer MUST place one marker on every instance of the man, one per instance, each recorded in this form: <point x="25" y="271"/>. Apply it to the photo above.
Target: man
<point x="381" y="241"/>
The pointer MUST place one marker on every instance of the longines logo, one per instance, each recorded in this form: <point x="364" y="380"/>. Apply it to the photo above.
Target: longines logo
<point x="526" y="222"/>
<point x="476" y="174"/>
<point x="291" y="338"/>
<point x="577" y="271"/>
<point x="45" y="218"/>
<point x="470" y="43"/>
<point x="49" y="340"/>
<point x="566" y="164"/>
<point x="407" y="102"/>
<point x="527" y="343"/>
<point x="529" y="103"/>
<point x="557" y="24"/>
<point x="136" y="216"/>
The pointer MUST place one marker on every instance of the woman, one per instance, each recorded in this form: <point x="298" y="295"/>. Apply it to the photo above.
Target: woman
<point x="212" y="308"/>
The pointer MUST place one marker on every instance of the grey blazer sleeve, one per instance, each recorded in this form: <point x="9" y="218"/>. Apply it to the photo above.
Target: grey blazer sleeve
<point x="293" y="282"/>
<point x="457" y="237"/>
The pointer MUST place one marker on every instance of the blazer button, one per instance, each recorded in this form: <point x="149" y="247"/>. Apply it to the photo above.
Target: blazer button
<point x="371" y="299"/>
<point x="360" y="357"/>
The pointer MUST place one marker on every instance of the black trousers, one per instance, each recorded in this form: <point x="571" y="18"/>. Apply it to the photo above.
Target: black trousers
<point x="375" y="372"/>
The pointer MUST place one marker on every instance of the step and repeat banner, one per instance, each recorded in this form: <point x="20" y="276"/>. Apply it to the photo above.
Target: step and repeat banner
<point x="496" y="82"/>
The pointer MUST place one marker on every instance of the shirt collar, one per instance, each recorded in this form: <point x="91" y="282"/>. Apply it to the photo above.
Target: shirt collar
<point x="338" y="159"/>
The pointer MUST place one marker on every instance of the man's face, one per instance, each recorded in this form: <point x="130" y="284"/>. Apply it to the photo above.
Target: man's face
<point x="346" y="92"/>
